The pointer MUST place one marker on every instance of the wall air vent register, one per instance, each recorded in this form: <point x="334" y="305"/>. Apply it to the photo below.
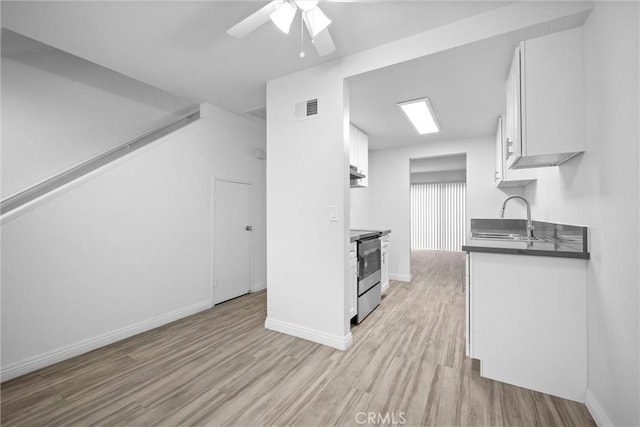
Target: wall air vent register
<point x="306" y="109"/>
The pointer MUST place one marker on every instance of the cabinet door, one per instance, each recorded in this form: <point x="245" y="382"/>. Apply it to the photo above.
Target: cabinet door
<point x="384" y="269"/>
<point x="497" y="177"/>
<point x="468" y="306"/>
<point x="363" y="157"/>
<point x="553" y="104"/>
<point x="513" y="140"/>
<point x="353" y="146"/>
<point x="359" y="153"/>
<point x="505" y="177"/>
<point x="353" y="291"/>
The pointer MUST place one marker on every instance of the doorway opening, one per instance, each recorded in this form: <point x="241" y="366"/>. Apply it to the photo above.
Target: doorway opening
<point x="438" y="202"/>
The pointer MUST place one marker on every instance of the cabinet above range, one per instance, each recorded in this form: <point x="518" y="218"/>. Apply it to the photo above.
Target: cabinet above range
<point x="358" y="157"/>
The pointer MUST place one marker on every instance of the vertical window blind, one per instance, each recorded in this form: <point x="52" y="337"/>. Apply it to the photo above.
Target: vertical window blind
<point x="438" y="216"/>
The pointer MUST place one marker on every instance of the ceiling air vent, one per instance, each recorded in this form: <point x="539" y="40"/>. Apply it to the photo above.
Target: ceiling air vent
<point x="258" y="113"/>
<point x="307" y="109"/>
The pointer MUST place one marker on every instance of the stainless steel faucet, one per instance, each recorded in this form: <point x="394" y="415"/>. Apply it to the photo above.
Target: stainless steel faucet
<point x="529" y="222"/>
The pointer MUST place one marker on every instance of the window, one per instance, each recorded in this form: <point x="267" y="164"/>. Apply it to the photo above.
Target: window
<point x="438" y="216"/>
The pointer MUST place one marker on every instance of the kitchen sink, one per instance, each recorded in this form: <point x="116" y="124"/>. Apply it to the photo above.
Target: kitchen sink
<point x="500" y="231"/>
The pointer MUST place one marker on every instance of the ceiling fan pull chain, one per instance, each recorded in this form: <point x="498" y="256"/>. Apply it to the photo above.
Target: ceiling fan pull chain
<point x="302" y="35"/>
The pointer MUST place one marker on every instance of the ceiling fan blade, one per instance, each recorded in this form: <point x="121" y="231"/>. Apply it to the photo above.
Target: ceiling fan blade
<point x="254" y="20"/>
<point x="324" y="43"/>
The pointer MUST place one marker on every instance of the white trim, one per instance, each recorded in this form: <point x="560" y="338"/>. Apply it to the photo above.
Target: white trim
<point x="386" y="286"/>
<point x="400" y="277"/>
<point x="235" y="181"/>
<point x="31" y="364"/>
<point x="81" y="180"/>
<point x="258" y="286"/>
<point x="212" y="236"/>
<point x="335" y="341"/>
<point x="596" y="410"/>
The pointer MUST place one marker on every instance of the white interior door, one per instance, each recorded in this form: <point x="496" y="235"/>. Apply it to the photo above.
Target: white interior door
<point x="232" y="247"/>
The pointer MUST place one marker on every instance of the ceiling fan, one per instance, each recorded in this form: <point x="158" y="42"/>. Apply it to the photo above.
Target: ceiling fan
<point x="282" y="13"/>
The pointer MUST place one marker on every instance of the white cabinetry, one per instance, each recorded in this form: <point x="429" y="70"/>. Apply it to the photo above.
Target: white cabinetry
<point x="352" y="293"/>
<point x="527" y="321"/>
<point x="467" y="304"/>
<point x="384" y="268"/>
<point x="359" y="153"/>
<point x="353" y="145"/>
<point x="505" y="177"/>
<point x="545" y="101"/>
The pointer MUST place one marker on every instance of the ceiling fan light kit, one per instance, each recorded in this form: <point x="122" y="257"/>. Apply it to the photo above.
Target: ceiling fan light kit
<point x="282" y="13"/>
<point x="283" y="17"/>
<point x="306" y="4"/>
<point x="315" y="21"/>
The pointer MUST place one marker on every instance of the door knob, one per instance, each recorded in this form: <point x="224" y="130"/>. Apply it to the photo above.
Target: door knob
<point x="248" y="228"/>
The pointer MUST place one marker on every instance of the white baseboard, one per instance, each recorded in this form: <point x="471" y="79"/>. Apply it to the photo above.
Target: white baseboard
<point x="596" y="410"/>
<point x="335" y="341"/>
<point x="258" y="286"/>
<point x="31" y="364"/>
<point x="400" y="277"/>
<point x="386" y="286"/>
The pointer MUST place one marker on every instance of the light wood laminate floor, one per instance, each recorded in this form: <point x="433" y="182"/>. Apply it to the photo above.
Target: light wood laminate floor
<point x="222" y="368"/>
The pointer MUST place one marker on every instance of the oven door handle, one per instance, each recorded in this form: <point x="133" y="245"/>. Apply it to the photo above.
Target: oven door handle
<point x="368" y="252"/>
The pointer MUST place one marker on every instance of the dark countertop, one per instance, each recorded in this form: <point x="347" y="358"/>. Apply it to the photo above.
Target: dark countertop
<point x="363" y="234"/>
<point x="535" y="248"/>
<point x="569" y="242"/>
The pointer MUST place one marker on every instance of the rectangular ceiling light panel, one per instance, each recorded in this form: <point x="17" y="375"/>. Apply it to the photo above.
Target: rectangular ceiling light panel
<point x="420" y="114"/>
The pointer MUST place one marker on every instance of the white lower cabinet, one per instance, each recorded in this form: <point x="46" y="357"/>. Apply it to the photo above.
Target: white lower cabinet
<point x="384" y="268"/>
<point x="527" y="321"/>
<point x="352" y="297"/>
<point x="467" y="305"/>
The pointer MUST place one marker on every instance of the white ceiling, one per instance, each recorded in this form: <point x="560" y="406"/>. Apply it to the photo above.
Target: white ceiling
<point x="466" y="87"/>
<point x="182" y="47"/>
<point x="35" y="54"/>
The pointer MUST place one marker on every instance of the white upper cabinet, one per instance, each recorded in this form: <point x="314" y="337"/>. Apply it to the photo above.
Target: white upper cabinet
<point x="505" y="177"/>
<point x="353" y="152"/>
<point x="545" y="101"/>
<point x="359" y="154"/>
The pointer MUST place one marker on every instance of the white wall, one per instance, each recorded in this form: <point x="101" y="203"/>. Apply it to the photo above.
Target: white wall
<point x="359" y="207"/>
<point x="442" y="176"/>
<point x="389" y="182"/>
<point x="307" y="174"/>
<point x="601" y="189"/>
<point x="59" y="110"/>
<point x="125" y="248"/>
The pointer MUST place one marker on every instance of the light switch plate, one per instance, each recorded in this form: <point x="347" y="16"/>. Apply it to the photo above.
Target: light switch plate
<point x="333" y="213"/>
